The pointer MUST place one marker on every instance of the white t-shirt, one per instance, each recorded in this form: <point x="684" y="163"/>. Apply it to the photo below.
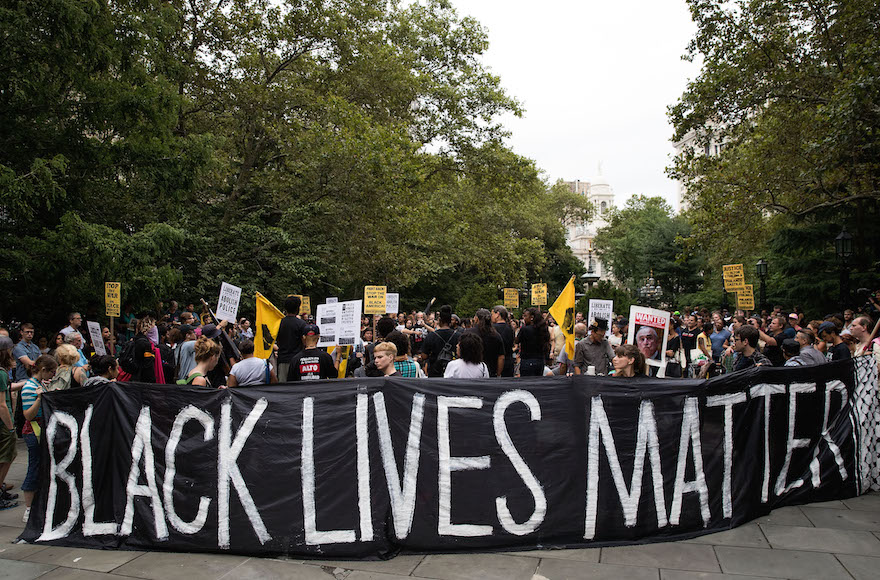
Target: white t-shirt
<point x="461" y="369"/>
<point x="250" y="371"/>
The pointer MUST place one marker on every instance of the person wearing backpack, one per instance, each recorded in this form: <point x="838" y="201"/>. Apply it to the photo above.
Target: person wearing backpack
<point x="438" y="348"/>
<point x="207" y="356"/>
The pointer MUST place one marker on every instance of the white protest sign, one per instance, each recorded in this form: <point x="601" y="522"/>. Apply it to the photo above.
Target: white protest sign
<point x="392" y="302"/>
<point x="348" y="328"/>
<point x="227" y="304"/>
<point x="97" y="339"/>
<point x="600" y="309"/>
<point x="327" y="319"/>
<point x="332" y="300"/>
<point x="649" y="331"/>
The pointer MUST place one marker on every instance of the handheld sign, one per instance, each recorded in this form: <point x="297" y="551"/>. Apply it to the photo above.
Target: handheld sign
<point x="97" y="339"/>
<point x="649" y="331"/>
<point x="332" y="299"/>
<point x="392" y="302"/>
<point x="374" y="299"/>
<point x="305" y="306"/>
<point x="227" y="304"/>
<point x="600" y="309"/>
<point x="745" y="299"/>
<point x="734" y="277"/>
<point x="511" y="298"/>
<point x="348" y="327"/>
<point x="539" y="294"/>
<point x="327" y="319"/>
<point x="113" y="298"/>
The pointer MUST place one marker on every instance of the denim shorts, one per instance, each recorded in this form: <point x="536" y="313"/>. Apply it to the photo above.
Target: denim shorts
<point x="33" y="471"/>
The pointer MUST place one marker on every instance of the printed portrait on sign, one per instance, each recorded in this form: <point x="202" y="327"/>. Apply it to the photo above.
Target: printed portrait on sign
<point x="649" y="331"/>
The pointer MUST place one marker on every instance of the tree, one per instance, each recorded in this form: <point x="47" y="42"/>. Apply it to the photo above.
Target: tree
<point x="644" y="237"/>
<point x="791" y="90"/>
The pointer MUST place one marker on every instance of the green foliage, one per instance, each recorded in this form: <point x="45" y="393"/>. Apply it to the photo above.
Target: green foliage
<point x="605" y="290"/>
<point x="476" y="297"/>
<point x="791" y="90"/>
<point x="286" y="147"/>
<point x="644" y="237"/>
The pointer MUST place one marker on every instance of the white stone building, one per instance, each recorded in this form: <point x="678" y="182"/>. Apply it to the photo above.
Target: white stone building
<point x="690" y="141"/>
<point x="581" y="235"/>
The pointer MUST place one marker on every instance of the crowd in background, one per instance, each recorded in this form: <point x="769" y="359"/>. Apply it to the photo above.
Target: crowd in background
<point x="181" y="346"/>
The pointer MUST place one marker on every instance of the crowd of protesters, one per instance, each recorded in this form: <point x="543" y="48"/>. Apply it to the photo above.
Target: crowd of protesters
<point x="183" y="347"/>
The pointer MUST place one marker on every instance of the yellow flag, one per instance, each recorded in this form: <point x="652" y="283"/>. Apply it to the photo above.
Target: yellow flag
<point x="563" y="311"/>
<point x="268" y="321"/>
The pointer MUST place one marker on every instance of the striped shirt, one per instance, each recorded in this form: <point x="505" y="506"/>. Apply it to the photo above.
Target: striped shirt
<point x="29" y="395"/>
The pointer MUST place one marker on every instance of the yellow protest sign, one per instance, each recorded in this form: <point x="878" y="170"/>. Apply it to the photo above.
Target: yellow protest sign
<point x="305" y="306"/>
<point x="374" y="299"/>
<point x="734" y="277"/>
<point x="563" y="311"/>
<point x="113" y="298"/>
<point x="268" y="322"/>
<point x="511" y="298"/>
<point x="745" y="299"/>
<point x="539" y="294"/>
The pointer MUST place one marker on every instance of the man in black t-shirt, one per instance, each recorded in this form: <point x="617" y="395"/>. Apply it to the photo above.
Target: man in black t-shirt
<point x="688" y="335"/>
<point x="501" y="323"/>
<point x="830" y="333"/>
<point x="311" y="363"/>
<point x="289" y="339"/>
<point x="435" y="343"/>
<point x="773" y="340"/>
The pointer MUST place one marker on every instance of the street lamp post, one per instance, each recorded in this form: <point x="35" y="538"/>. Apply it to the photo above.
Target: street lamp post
<point x="590" y="277"/>
<point x="843" y="247"/>
<point x="761" y="271"/>
<point x="651" y="291"/>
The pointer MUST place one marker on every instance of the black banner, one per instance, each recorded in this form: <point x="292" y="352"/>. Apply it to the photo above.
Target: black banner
<point x="371" y="467"/>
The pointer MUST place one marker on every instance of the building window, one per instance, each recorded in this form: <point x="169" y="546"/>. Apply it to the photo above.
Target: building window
<point x="604" y="207"/>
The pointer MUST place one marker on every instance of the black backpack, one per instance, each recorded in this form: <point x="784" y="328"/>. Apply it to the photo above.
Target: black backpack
<point x="446" y="355"/>
<point x="127" y="358"/>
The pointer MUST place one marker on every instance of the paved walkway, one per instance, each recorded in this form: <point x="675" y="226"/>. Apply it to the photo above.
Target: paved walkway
<point x="828" y="541"/>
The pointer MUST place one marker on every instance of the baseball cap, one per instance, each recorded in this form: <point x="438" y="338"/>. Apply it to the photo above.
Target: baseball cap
<point x="793" y="316"/>
<point x="827" y="326"/>
<point x="210" y="330"/>
<point x="311" y="329"/>
<point x="676" y="313"/>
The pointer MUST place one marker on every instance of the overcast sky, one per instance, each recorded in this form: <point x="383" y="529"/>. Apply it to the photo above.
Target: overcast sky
<point x="595" y="79"/>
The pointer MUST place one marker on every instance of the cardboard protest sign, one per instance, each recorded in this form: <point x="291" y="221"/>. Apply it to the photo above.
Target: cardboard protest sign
<point x="374" y="299"/>
<point x="511" y="298"/>
<point x="734" y="277"/>
<point x="649" y="331"/>
<point x="97" y="339"/>
<point x="745" y="299"/>
<point x="113" y="298"/>
<point x="305" y="306"/>
<point x="539" y="294"/>
<point x="600" y="309"/>
<point x="392" y="302"/>
<point x="327" y="319"/>
<point x="227" y="304"/>
<point x="348" y="327"/>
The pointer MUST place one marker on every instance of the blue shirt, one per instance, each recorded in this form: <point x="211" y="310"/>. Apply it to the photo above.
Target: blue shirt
<point x="28" y="349"/>
<point x="718" y="339"/>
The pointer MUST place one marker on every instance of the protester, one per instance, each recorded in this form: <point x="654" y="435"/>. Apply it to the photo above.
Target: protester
<point x="145" y="351"/>
<point x="704" y="342"/>
<point x="860" y="329"/>
<point x="676" y="362"/>
<point x="688" y="334"/>
<point x="185" y="357"/>
<point x="383" y="355"/>
<point x="67" y="375"/>
<point x="469" y="364"/>
<point x="773" y="340"/>
<point x="493" y="345"/>
<point x="402" y="362"/>
<point x="250" y="370"/>
<point x="57" y="341"/>
<point x="439" y="346"/>
<point x="791" y="350"/>
<point x="745" y="343"/>
<point x="311" y="363"/>
<point x="31" y="398"/>
<point x="809" y="354"/>
<point x="565" y="365"/>
<point x="594" y="351"/>
<point x="290" y="334"/>
<point x="74" y="321"/>
<point x="719" y="336"/>
<point x="501" y="323"/>
<point x="104" y="370"/>
<point x="534" y="344"/>
<point x="829" y="331"/>
<point x="628" y="361"/>
<point x="25" y="352"/>
<point x="207" y="355"/>
<point x="8" y="452"/>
